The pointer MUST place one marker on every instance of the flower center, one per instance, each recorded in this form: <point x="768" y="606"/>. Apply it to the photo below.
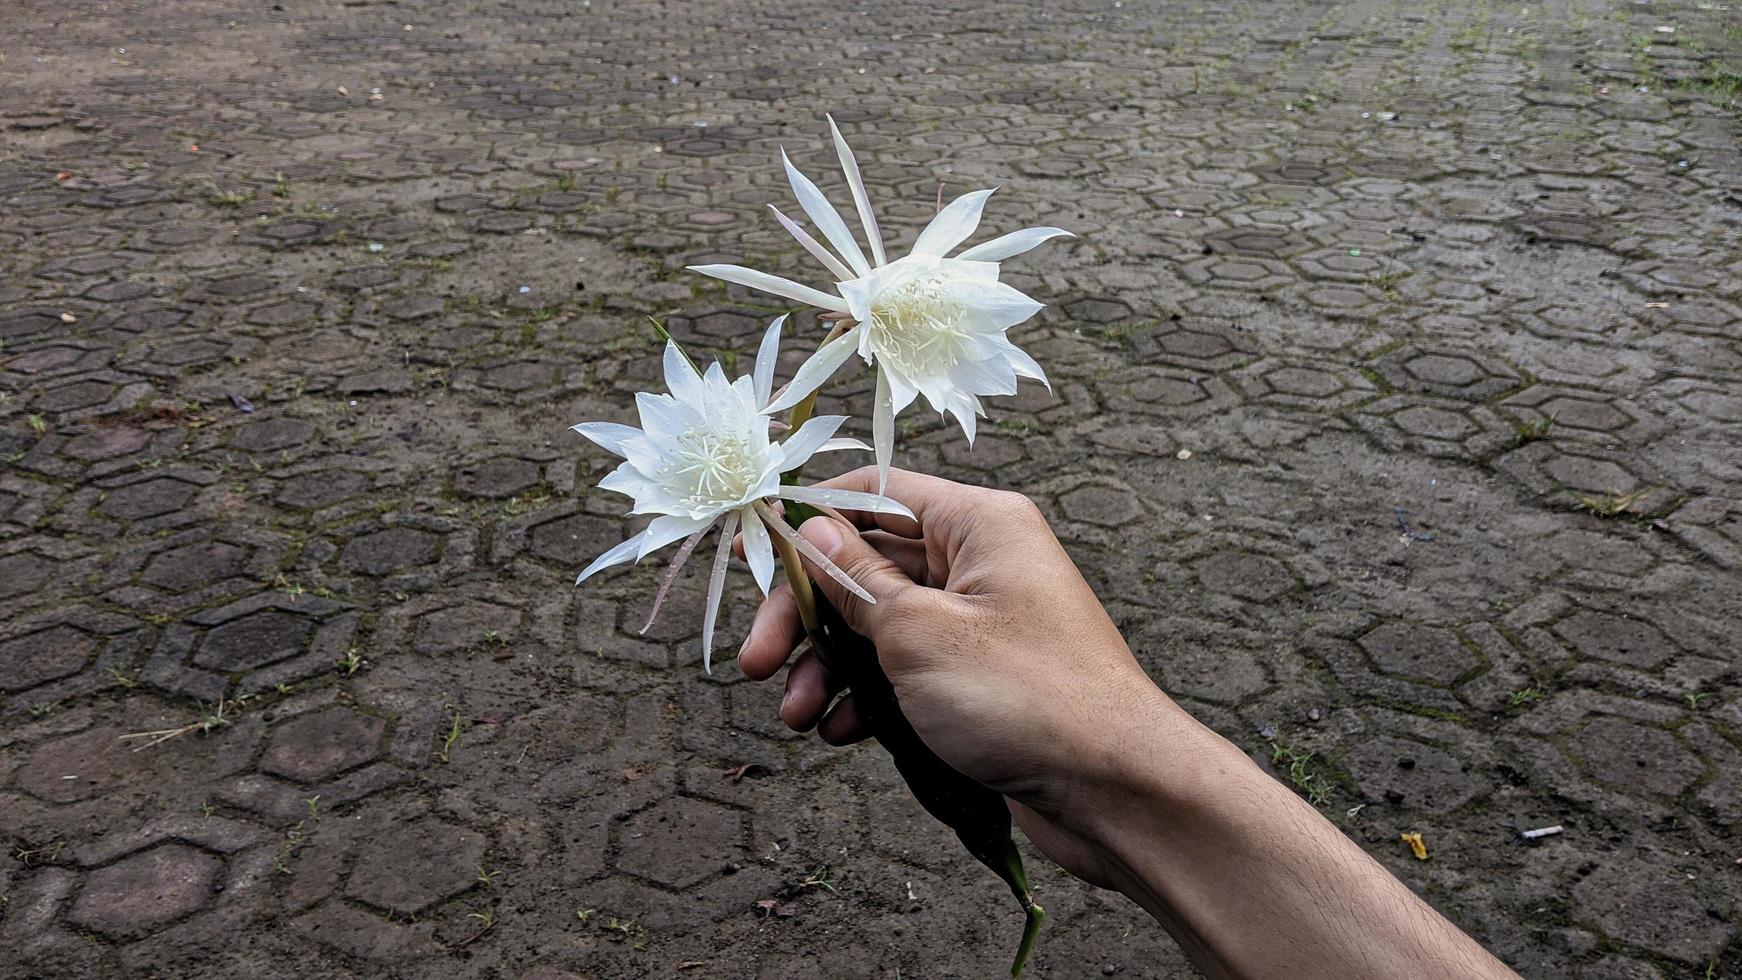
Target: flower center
<point x="711" y="468"/>
<point x="917" y="325"/>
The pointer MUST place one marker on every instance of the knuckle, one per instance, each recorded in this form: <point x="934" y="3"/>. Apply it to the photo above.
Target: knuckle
<point x="1017" y="507"/>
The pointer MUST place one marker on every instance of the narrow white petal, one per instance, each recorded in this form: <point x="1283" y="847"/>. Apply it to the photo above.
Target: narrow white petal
<point x="843" y="442"/>
<point x="1024" y="365"/>
<point x="759" y="552"/>
<point x="824" y="216"/>
<point x="670" y="576"/>
<point x="814" y="373"/>
<point x="766" y="356"/>
<point x="661" y="416"/>
<point x="717" y="585"/>
<point x="612" y="437"/>
<point x="822" y="561"/>
<point x="668" y="528"/>
<point x="811" y="245"/>
<point x="616" y="556"/>
<point x="681" y="378"/>
<point x="1015" y="243"/>
<point x="953" y="224"/>
<point x="809" y="438"/>
<point x="883" y="429"/>
<point x="861" y="200"/>
<point x="1004" y="304"/>
<point x="773" y="284"/>
<point x="967" y="412"/>
<point x="845" y="499"/>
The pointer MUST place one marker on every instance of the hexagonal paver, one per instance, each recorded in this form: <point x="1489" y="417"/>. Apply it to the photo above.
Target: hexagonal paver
<point x="272" y="435"/>
<point x="1244" y="576"/>
<point x="146" y="891"/>
<point x="313" y="748"/>
<point x="322" y="488"/>
<point x="1107" y="506"/>
<point x="390" y="550"/>
<point x="1630" y="641"/>
<point x="1655" y="907"/>
<point x="22" y="573"/>
<point x="1434" y="423"/>
<point x="1418" y="651"/>
<point x="680" y="842"/>
<point x="194" y="565"/>
<point x="575" y="540"/>
<point x="425" y="863"/>
<point x="253" y="641"/>
<point x="1304" y="382"/>
<point x="462" y="627"/>
<point x="1635" y="757"/>
<point x="1410" y="774"/>
<point x="496" y="478"/>
<point x="29" y="660"/>
<point x="148" y="499"/>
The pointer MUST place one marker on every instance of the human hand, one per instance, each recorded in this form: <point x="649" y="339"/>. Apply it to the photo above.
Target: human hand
<point x="1002" y="657"/>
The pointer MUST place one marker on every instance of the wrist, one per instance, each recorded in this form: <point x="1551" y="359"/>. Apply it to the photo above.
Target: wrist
<point x="1158" y="767"/>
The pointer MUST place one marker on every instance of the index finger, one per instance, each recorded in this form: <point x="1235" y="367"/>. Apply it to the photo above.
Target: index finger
<point x="929" y="497"/>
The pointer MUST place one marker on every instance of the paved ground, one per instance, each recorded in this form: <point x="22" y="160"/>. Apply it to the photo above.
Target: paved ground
<point x="298" y="300"/>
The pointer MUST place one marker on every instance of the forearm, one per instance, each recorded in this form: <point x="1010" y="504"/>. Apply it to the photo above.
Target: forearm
<point x="1251" y="880"/>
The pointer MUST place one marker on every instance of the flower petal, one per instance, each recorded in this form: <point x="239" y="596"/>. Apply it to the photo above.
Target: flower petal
<point x="824" y="216"/>
<point x="822" y="561"/>
<point x="809" y="438"/>
<point x="1024" y="365"/>
<point x="814" y="373"/>
<point x="1004" y="304"/>
<point x="953" y="224"/>
<point x="668" y="528"/>
<point x="861" y="201"/>
<point x="766" y="283"/>
<point x="843" y="442"/>
<point x="681" y="378"/>
<point x="609" y="436"/>
<point x="717" y="585"/>
<point x="766" y="356"/>
<point x="845" y="500"/>
<point x="811" y="245"/>
<point x="1015" y="243"/>
<point x="616" y="556"/>
<point x="759" y="552"/>
<point x="883" y="429"/>
<point x="670" y="576"/>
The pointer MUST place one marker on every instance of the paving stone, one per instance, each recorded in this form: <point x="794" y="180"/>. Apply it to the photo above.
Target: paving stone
<point x="314" y="748"/>
<point x="42" y="656"/>
<point x="1635" y="757"/>
<point x="195" y="565"/>
<point x="253" y="641"/>
<point x="390" y="550"/>
<point x="1245" y="576"/>
<point x="425" y="863"/>
<point x="680" y="842"/>
<point x="1421" y="652"/>
<point x="1610" y="637"/>
<point x="149" y="499"/>
<point x="496" y="478"/>
<point x="146" y="891"/>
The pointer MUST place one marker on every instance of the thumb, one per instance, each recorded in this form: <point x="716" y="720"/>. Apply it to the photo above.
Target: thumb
<point x="865" y="565"/>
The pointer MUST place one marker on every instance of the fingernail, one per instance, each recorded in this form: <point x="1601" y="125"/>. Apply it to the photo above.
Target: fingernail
<point x="823" y="533"/>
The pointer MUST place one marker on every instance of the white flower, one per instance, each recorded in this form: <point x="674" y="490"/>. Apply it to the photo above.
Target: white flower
<point x="703" y="456"/>
<point x="932" y="325"/>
